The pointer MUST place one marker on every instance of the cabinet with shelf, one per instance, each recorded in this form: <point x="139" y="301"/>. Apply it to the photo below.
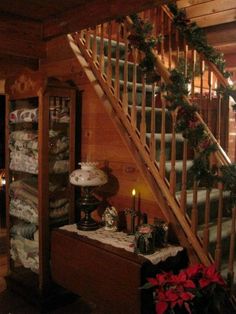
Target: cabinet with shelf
<point x="40" y="154"/>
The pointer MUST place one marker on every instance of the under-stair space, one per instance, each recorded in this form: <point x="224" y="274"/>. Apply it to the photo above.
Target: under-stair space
<point x="205" y="215"/>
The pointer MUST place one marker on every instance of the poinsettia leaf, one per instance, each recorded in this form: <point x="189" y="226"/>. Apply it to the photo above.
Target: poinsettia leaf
<point x="147" y="285"/>
<point x="171" y="295"/>
<point x="187" y="296"/>
<point x="161" y="307"/>
<point x="189" y="284"/>
<point x="187" y="307"/>
<point x="204" y="282"/>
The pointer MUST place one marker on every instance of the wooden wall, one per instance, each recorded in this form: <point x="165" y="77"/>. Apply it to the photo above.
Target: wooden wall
<point x="209" y="12"/>
<point x="101" y="140"/>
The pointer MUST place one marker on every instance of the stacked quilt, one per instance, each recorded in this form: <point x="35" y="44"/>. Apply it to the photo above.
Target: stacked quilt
<point x="24" y="151"/>
<point x="24" y="201"/>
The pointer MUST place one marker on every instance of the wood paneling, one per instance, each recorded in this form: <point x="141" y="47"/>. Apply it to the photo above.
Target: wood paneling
<point x="9" y="65"/>
<point x="20" y="47"/>
<point x="100" y="139"/>
<point x="39" y="10"/>
<point x="209" y="12"/>
<point x="21" y="38"/>
<point x="93" y="13"/>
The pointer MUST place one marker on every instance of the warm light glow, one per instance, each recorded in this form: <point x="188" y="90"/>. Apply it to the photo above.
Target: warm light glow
<point x="2" y="178"/>
<point x="3" y="181"/>
<point x="133" y="192"/>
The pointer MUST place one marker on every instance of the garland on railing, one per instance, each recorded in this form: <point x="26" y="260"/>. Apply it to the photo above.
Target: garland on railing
<point x="176" y="93"/>
<point x="196" y="37"/>
<point x="142" y="39"/>
<point x="192" y="129"/>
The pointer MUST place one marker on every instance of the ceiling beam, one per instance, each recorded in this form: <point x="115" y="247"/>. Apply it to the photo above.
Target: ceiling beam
<point x="221" y="34"/>
<point x="230" y="61"/>
<point x="19" y="46"/>
<point x="94" y="12"/>
<point x="21" y="37"/>
<point x="12" y="64"/>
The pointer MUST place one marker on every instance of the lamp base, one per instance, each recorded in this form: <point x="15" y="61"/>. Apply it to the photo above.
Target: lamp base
<point x="87" y="224"/>
<point x="87" y="204"/>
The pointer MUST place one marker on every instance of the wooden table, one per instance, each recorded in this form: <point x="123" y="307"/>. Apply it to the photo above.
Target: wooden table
<point x="107" y="276"/>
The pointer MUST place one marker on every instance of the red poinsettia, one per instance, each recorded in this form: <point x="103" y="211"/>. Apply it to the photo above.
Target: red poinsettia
<point x="182" y="290"/>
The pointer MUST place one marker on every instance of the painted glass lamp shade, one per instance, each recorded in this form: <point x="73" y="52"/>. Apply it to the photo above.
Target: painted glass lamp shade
<point x="88" y="177"/>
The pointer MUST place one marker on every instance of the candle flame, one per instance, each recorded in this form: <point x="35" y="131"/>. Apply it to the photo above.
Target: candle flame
<point x="133" y="192"/>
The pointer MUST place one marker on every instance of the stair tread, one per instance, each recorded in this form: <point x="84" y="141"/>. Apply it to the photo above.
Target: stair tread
<point x="178" y="165"/>
<point x="168" y="137"/>
<point x="201" y="195"/>
<point x="149" y="108"/>
<point x="224" y="272"/>
<point x="226" y="230"/>
<point x="113" y="42"/>
<point x="139" y="86"/>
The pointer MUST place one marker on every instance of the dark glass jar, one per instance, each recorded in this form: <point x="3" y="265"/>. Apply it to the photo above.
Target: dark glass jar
<point x="144" y="239"/>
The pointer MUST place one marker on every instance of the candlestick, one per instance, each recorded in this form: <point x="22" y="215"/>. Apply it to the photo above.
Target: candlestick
<point x="133" y="198"/>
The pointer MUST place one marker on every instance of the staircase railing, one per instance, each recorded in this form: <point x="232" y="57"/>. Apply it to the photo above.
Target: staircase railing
<point x="205" y="78"/>
<point x="142" y="109"/>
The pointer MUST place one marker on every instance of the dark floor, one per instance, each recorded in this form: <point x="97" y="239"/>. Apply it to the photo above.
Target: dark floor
<point x="11" y="303"/>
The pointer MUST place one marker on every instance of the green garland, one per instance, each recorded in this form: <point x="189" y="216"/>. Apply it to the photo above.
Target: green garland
<point x="176" y="92"/>
<point x="196" y="37"/>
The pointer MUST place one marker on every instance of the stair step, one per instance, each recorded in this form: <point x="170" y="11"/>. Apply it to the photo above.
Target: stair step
<point x="178" y="165"/>
<point x="201" y="196"/>
<point x="113" y="46"/>
<point x="225" y="237"/>
<point x="168" y="137"/>
<point x="225" y="233"/>
<point x="139" y="86"/>
<point x="113" y="42"/>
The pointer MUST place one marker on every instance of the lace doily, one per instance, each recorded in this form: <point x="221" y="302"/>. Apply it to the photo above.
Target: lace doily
<point x="124" y="241"/>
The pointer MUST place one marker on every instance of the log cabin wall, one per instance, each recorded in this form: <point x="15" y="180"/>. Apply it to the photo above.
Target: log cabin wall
<point x="101" y="140"/>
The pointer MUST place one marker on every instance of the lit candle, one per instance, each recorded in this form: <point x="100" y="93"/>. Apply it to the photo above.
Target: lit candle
<point x="133" y="198"/>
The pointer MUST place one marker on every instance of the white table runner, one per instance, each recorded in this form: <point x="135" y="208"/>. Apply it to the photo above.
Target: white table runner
<point x="124" y="241"/>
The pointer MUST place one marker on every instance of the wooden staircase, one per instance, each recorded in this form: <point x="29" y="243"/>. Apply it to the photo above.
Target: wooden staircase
<point x="203" y="218"/>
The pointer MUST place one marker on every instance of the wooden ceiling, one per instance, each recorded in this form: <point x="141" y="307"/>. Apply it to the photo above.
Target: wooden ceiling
<point x="65" y="16"/>
<point x="209" y="12"/>
<point x="25" y="25"/>
<point x="218" y="18"/>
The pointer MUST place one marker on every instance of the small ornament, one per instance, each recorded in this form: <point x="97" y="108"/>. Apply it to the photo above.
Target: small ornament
<point x="110" y="218"/>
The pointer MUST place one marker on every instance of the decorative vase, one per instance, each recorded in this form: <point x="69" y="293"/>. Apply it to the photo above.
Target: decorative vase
<point x="88" y="177"/>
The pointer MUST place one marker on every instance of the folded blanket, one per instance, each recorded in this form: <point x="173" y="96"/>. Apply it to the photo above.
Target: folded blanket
<point x="59" y="212"/>
<point x="24" y="195"/>
<point x="59" y="166"/>
<point x="25" y="135"/>
<point x="24" y="115"/>
<point x="22" y="162"/>
<point x="58" y="202"/>
<point x="24" y="229"/>
<point x="59" y="145"/>
<point x="26" y="252"/>
<point x="22" y="210"/>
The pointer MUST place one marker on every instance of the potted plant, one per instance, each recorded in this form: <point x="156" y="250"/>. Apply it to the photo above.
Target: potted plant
<point x="194" y="290"/>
